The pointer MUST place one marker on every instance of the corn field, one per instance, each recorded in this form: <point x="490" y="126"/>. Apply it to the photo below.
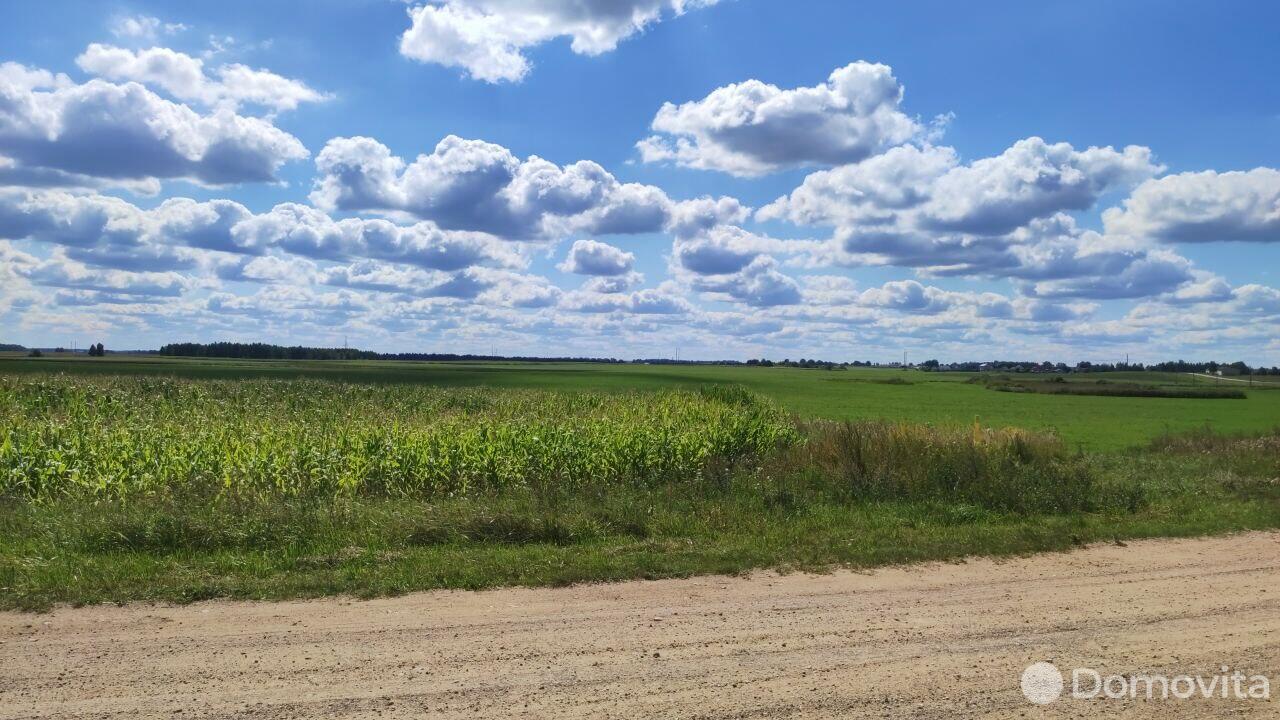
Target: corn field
<point x="122" y="437"/>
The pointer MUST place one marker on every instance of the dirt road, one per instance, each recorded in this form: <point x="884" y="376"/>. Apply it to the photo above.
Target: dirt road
<point x="928" y="641"/>
<point x="1250" y="381"/>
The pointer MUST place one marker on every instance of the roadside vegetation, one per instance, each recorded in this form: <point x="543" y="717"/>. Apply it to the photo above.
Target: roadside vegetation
<point x="117" y="488"/>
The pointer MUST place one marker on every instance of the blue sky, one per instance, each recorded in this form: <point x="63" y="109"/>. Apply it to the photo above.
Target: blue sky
<point x="731" y="179"/>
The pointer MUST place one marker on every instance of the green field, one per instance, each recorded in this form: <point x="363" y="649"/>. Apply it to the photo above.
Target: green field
<point x="137" y="478"/>
<point x="1091" y="423"/>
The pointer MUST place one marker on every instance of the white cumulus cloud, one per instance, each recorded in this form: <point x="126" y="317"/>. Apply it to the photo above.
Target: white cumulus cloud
<point x="143" y="27"/>
<point x="1202" y="207"/>
<point x="590" y="257"/>
<point x="752" y="128"/>
<point x="127" y="133"/>
<point x="184" y="77"/>
<point x="487" y="38"/>
<point x="475" y="185"/>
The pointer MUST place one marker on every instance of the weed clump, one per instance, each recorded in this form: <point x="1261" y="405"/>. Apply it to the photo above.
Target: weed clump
<point x="1004" y="470"/>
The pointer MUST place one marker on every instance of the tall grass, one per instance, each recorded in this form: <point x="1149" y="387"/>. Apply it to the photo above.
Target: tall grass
<point x="1246" y="464"/>
<point x="1005" y="470"/>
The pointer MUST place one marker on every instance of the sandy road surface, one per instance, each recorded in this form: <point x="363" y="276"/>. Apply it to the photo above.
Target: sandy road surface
<point x="928" y="641"/>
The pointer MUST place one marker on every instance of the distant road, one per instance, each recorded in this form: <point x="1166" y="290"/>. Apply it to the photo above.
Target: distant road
<point x="1232" y="379"/>
<point x="928" y="641"/>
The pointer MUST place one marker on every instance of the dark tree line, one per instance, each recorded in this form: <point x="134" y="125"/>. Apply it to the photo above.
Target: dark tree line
<point x="807" y="363"/>
<point x="266" y="351"/>
<point x="1238" y="368"/>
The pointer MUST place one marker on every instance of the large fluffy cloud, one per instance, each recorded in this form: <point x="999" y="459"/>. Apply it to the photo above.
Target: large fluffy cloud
<point x="907" y="295"/>
<point x="1005" y="216"/>
<point x="1133" y="275"/>
<point x="60" y="271"/>
<point x="722" y="249"/>
<point x="92" y="229"/>
<point x="306" y="231"/>
<point x="752" y="128"/>
<point x="926" y="189"/>
<point x="1055" y="258"/>
<point x="1050" y="257"/>
<point x="1029" y="180"/>
<point x="109" y="232"/>
<point x="871" y="193"/>
<point x="126" y="132"/>
<point x="475" y="185"/>
<point x="758" y="283"/>
<point x="731" y="264"/>
<point x="590" y="257"/>
<point x="184" y="77"/>
<point x="663" y="300"/>
<point x="1002" y="216"/>
<point x="487" y="38"/>
<point x="1203" y="207"/>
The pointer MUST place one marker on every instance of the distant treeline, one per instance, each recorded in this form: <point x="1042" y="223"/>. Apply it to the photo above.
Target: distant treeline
<point x="1177" y="366"/>
<point x="1237" y="367"/>
<point x="266" y="351"/>
<point x="491" y="358"/>
<point x="6" y="347"/>
<point x="808" y="363"/>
